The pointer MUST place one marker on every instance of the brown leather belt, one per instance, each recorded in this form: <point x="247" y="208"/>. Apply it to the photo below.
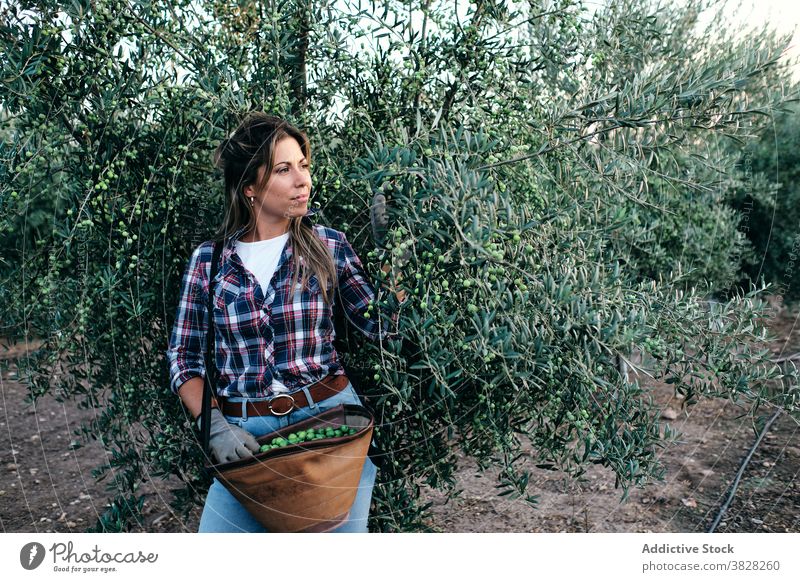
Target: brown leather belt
<point x="284" y="403"/>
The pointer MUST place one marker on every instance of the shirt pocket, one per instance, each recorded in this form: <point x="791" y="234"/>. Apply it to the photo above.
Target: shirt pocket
<point x="311" y="294"/>
<point x="304" y="311"/>
<point x="235" y="312"/>
<point x="312" y="288"/>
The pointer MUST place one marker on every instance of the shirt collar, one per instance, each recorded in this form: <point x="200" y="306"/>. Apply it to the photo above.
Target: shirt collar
<point x="230" y="240"/>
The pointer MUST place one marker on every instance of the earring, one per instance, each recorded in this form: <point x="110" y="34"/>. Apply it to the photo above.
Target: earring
<point x="251" y="200"/>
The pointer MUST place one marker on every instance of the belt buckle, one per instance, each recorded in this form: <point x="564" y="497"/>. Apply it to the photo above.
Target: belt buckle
<point x="269" y="404"/>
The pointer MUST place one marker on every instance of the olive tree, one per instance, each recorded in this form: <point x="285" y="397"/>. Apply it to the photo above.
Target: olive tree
<point x="550" y="212"/>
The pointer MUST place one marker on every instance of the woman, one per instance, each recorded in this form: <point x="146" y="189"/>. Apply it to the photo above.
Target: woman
<point x="273" y="298"/>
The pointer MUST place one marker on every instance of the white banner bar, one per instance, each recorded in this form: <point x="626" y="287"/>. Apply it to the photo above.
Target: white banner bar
<point x="592" y="557"/>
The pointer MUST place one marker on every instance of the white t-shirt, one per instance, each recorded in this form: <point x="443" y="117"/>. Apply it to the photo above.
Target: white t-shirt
<point x="261" y="258"/>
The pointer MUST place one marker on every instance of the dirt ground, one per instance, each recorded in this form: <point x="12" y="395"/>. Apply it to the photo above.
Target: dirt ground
<point x="46" y="485"/>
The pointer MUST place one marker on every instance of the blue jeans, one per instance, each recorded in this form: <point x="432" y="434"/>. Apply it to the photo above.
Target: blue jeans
<point x="223" y="513"/>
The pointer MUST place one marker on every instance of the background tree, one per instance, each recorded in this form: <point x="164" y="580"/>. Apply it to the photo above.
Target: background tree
<point x="768" y="199"/>
<point x="553" y="178"/>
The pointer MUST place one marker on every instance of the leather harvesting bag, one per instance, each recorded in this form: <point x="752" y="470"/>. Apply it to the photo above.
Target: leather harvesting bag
<point x="303" y="487"/>
<point x="308" y="486"/>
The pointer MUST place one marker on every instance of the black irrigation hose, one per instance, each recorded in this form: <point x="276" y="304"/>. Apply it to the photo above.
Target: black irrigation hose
<point x="743" y="466"/>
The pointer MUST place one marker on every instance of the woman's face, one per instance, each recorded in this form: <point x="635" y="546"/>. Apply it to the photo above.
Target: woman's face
<point x="289" y="183"/>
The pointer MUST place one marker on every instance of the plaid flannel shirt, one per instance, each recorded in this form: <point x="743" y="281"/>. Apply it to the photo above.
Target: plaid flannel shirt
<point x="259" y="332"/>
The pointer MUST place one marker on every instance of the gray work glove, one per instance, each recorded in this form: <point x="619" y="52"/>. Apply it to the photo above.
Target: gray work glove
<point x="227" y="441"/>
<point x="378" y="218"/>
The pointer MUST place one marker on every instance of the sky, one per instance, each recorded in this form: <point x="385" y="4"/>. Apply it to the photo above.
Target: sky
<point x="782" y="15"/>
